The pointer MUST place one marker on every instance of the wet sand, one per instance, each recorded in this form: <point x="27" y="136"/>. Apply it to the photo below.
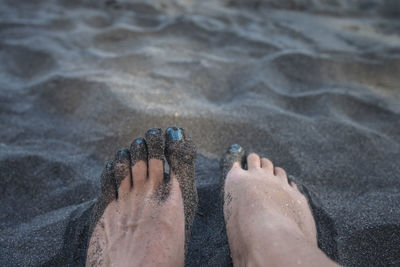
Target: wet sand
<point x="313" y="85"/>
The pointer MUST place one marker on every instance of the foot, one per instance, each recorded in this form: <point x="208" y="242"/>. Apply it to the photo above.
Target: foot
<point x="143" y="217"/>
<point x="268" y="220"/>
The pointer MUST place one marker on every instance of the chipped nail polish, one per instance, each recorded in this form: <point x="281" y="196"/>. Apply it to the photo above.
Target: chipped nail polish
<point x="122" y="155"/>
<point x="235" y="148"/>
<point x="174" y="134"/>
<point x="139" y="141"/>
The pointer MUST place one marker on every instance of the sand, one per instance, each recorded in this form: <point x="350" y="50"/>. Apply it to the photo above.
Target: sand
<point x="311" y="84"/>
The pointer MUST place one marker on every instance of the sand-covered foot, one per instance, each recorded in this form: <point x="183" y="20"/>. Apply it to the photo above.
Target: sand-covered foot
<point x="268" y="220"/>
<point x="140" y="216"/>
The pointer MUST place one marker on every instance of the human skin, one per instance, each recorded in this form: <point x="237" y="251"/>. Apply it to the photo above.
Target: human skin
<point x="147" y="216"/>
<point x="268" y="220"/>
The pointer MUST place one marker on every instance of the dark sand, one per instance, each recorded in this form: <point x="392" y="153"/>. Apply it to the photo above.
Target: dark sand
<point x="311" y="84"/>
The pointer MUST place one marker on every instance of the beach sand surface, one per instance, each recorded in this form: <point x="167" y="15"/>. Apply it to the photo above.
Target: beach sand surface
<point x="311" y="84"/>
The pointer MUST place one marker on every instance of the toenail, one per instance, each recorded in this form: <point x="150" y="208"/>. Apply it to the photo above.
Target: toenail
<point x="122" y="155"/>
<point x="139" y="141"/>
<point x="235" y="148"/>
<point x="154" y="131"/>
<point x="109" y="165"/>
<point x="174" y="134"/>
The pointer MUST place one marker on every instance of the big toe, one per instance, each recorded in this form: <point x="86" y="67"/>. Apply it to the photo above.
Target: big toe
<point x="233" y="158"/>
<point x="181" y="156"/>
<point x="180" y="150"/>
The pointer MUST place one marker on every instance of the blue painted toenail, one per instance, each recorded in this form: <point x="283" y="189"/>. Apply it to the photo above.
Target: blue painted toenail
<point x="174" y="134"/>
<point x="153" y="132"/>
<point x="235" y="148"/>
<point x="139" y="141"/>
<point x="109" y="165"/>
<point x="123" y="154"/>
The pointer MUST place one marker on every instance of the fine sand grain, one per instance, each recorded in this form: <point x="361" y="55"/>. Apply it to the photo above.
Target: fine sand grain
<point x="311" y="84"/>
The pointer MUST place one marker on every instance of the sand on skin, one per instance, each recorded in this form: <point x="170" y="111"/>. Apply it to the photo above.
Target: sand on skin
<point x="313" y="85"/>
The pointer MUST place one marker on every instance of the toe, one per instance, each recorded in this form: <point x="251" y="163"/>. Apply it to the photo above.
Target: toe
<point x="267" y="165"/>
<point x="138" y="153"/>
<point x="180" y="151"/>
<point x="108" y="186"/>
<point x="155" y="146"/>
<point x="233" y="158"/>
<point x="122" y="172"/>
<point x="281" y="173"/>
<point x="253" y="161"/>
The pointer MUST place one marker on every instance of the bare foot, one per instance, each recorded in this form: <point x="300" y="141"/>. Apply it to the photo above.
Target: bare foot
<point x="268" y="220"/>
<point x="143" y="216"/>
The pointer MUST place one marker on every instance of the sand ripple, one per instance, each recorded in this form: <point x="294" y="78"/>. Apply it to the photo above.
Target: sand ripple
<point x="313" y="85"/>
